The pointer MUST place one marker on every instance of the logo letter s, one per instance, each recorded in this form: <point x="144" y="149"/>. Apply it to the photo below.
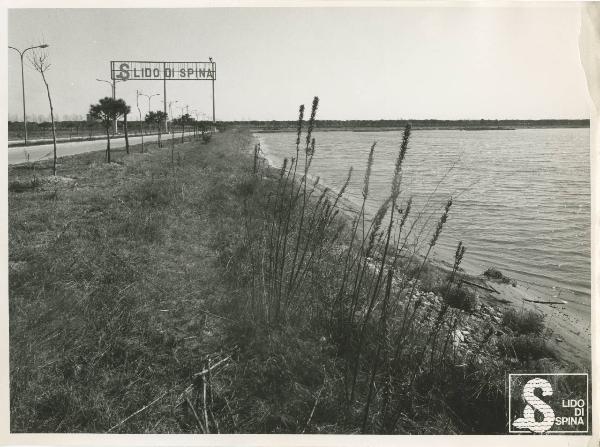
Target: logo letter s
<point x="535" y="403"/>
<point x="124" y="71"/>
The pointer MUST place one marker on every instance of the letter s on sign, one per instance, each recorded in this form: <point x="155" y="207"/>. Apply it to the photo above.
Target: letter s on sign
<point x="534" y="404"/>
<point x="124" y="72"/>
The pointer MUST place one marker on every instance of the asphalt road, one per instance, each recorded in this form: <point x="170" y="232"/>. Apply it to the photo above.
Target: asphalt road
<point x="18" y="155"/>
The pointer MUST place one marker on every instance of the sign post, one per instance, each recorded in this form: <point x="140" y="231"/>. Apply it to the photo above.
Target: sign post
<point x="164" y="71"/>
<point x="213" y="95"/>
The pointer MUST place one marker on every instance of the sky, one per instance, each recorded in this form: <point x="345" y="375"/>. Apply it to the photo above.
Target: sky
<point x="517" y="62"/>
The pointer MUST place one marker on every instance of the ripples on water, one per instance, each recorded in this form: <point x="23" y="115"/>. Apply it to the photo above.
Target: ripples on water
<point x="521" y="197"/>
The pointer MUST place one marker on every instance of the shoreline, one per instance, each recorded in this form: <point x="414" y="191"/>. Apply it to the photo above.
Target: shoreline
<point x="148" y="270"/>
<point x="571" y="345"/>
<point x="414" y="127"/>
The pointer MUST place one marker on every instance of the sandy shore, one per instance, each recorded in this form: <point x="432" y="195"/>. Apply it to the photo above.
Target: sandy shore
<point x="569" y="331"/>
<point x="568" y="327"/>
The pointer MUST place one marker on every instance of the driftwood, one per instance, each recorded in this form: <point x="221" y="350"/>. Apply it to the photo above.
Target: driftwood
<point x="488" y="288"/>
<point x="545" y="302"/>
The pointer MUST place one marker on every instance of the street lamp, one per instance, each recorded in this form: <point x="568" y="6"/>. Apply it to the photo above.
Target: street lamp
<point x="149" y="97"/>
<point x="21" y="53"/>
<point x="183" y="107"/>
<point x="137" y="104"/>
<point x="114" y="96"/>
<point x="112" y="86"/>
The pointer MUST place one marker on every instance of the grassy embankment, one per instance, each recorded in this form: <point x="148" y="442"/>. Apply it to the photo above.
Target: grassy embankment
<point x="201" y="291"/>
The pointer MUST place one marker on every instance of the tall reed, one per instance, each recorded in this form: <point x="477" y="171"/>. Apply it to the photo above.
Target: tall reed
<point x="357" y="282"/>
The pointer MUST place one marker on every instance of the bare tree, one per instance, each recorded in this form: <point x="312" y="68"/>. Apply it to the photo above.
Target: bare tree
<point x="39" y="60"/>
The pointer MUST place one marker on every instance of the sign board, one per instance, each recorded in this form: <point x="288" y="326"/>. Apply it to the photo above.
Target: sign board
<point x="162" y="71"/>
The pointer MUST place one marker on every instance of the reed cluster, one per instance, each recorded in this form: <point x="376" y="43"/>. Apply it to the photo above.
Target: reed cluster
<point x="355" y="280"/>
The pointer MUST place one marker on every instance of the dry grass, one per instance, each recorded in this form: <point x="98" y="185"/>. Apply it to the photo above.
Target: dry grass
<point x="136" y="276"/>
<point x="115" y="276"/>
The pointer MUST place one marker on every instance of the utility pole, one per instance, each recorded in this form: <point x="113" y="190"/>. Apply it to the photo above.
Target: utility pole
<point x="22" y="53"/>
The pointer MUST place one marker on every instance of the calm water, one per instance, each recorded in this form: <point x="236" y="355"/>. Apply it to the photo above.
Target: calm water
<point x="521" y="197"/>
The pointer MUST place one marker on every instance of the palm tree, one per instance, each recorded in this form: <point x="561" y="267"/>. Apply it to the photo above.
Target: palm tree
<point x="157" y="118"/>
<point x="108" y="110"/>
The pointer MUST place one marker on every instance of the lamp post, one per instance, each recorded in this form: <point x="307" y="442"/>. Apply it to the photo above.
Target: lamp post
<point x="149" y="98"/>
<point x="137" y="103"/>
<point x="114" y="96"/>
<point x="22" y="53"/>
<point x="149" y="109"/>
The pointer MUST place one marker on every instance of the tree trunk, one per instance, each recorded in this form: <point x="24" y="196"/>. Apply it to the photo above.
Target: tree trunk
<point x="182" y="131"/>
<point x="159" y="139"/>
<point x="108" y="143"/>
<point x="52" y="120"/>
<point x="126" y="135"/>
<point x="141" y="130"/>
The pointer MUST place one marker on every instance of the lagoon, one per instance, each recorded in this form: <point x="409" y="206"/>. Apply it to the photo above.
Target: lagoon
<point x="521" y="198"/>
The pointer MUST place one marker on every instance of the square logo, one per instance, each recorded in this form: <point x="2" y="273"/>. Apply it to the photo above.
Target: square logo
<point x="548" y="403"/>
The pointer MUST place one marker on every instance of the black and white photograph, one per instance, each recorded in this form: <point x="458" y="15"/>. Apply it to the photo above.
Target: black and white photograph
<point x="303" y="219"/>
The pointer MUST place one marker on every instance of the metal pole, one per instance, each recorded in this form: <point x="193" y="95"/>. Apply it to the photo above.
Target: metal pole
<point x="23" y="86"/>
<point x="137" y="104"/>
<point x="213" y="96"/>
<point x="165" y="97"/>
<point x="21" y="54"/>
<point x="114" y="95"/>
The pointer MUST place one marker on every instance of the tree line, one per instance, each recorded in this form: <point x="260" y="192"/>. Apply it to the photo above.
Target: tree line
<point x="416" y="123"/>
<point x="109" y="110"/>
